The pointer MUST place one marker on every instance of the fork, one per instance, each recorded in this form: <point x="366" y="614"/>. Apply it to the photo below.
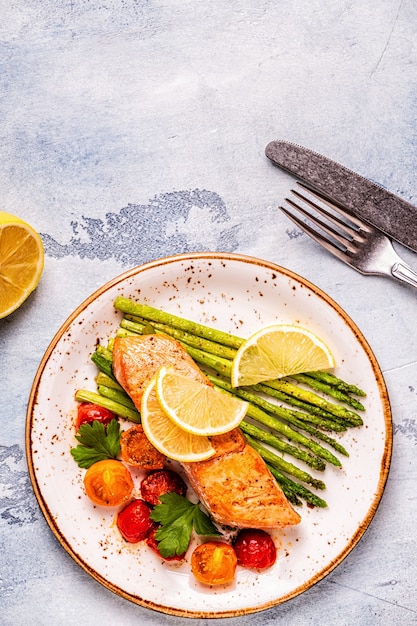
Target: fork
<point x="354" y="241"/>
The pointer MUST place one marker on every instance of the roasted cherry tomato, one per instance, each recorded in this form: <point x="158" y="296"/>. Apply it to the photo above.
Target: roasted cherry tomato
<point x="137" y="450"/>
<point x="134" y="522"/>
<point x="108" y="483"/>
<point x="255" y="549"/>
<point x="88" y="412"/>
<point x="214" y="563"/>
<point x="159" y="482"/>
<point x="152" y="542"/>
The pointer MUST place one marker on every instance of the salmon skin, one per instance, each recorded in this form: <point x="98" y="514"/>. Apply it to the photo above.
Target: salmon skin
<point x="235" y="485"/>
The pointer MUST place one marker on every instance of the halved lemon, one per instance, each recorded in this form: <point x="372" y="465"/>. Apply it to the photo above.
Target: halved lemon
<point x="166" y="436"/>
<point x="21" y="262"/>
<point x="279" y="350"/>
<point x="195" y="407"/>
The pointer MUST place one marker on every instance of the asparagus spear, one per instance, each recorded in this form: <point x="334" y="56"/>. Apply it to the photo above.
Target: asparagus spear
<point x="282" y="446"/>
<point x="104" y="353"/>
<point x="132" y="322"/>
<point x="331" y="391"/>
<point x="288" y="468"/>
<point x="217" y="363"/>
<point x="295" y="489"/>
<point x="288" y="491"/>
<point x="117" y="396"/>
<point x="307" y="396"/>
<point x="103" y="363"/>
<point x="108" y="381"/>
<point x="83" y="395"/>
<point x="156" y="315"/>
<point x="322" y="436"/>
<point x="316" y="415"/>
<point x="334" y="381"/>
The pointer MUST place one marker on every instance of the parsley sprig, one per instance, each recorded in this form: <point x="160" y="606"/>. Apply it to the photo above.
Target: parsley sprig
<point x="97" y="443"/>
<point x="178" y="517"/>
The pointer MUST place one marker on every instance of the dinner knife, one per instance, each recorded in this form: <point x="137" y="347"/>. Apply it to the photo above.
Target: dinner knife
<point x="394" y="216"/>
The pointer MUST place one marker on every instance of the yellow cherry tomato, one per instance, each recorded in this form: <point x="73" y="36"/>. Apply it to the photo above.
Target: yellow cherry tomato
<point x="108" y="483"/>
<point x="214" y="563"/>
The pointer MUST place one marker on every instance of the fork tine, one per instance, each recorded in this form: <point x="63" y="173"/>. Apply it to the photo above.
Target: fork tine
<point x="323" y="241"/>
<point x="333" y="204"/>
<point x="353" y="233"/>
<point x="346" y="243"/>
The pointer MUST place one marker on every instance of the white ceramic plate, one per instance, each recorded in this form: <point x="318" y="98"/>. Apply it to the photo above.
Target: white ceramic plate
<point x="238" y="294"/>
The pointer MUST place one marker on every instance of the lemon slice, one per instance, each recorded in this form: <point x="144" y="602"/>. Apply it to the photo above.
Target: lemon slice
<point x="195" y="407"/>
<point x="21" y="262"/>
<point x="166" y="436"/>
<point x="277" y="351"/>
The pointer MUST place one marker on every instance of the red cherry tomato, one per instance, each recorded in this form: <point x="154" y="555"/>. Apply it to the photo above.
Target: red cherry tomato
<point x="134" y="522"/>
<point x="152" y="542"/>
<point x="159" y="482"/>
<point x="88" y="412"/>
<point x="255" y="549"/>
<point x="214" y="563"/>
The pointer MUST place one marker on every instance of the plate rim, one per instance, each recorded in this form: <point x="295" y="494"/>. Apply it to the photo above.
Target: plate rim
<point x="384" y="465"/>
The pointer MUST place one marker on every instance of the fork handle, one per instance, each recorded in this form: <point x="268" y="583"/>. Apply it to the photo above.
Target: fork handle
<point x="403" y="272"/>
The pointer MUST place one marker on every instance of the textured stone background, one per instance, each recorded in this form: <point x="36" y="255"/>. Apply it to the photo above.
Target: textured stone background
<point x="134" y="129"/>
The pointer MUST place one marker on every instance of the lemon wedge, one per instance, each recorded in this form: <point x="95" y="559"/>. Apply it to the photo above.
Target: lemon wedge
<point x="21" y="262"/>
<point x="277" y="351"/>
<point x="195" y="407"/>
<point x="166" y="436"/>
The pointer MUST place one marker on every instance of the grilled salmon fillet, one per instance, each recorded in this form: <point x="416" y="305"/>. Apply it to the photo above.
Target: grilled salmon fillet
<point x="235" y="484"/>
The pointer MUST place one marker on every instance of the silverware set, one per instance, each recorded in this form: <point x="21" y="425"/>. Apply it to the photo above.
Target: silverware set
<point x="352" y="240"/>
<point x="349" y="215"/>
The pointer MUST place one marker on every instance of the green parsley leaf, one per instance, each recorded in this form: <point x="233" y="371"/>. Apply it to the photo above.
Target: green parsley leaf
<point x="97" y="443"/>
<point x="203" y="524"/>
<point x="178" y="517"/>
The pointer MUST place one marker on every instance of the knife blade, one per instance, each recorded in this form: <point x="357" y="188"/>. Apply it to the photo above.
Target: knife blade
<point x="396" y="217"/>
